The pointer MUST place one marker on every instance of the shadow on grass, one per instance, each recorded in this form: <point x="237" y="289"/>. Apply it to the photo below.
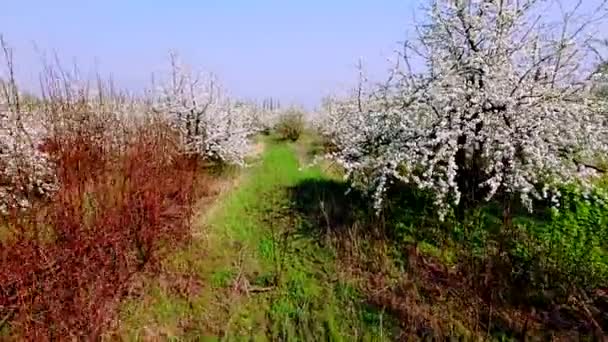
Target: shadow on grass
<point x="327" y="206"/>
<point x="333" y="207"/>
<point x="470" y="272"/>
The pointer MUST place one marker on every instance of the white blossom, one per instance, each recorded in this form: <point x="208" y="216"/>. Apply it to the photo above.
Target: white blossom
<point x="25" y="171"/>
<point x="502" y="106"/>
<point x="210" y="124"/>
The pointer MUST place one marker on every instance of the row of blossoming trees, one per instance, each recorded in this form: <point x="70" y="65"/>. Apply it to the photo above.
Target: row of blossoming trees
<point x="489" y="102"/>
<point x="209" y="123"/>
<point x="96" y="184"/>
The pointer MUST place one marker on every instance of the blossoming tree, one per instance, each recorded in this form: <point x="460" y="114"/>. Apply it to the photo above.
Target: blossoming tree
<point x="501" y="107"/>
<point x="210" y="124"/>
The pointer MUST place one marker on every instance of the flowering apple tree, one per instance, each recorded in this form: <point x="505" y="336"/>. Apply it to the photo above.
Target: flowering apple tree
<point x="500" y="107"/>
<point x="210" y="124"/>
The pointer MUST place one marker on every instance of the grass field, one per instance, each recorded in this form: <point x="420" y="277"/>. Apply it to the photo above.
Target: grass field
<point x="254" y="269"/>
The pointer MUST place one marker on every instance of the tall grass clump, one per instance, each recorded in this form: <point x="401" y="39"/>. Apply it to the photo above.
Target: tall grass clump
<point x="290" y="124"/>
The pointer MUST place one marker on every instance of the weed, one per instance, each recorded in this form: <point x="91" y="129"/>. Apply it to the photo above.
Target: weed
<point x="69" y="262"/>
<point x="290" y="125"/>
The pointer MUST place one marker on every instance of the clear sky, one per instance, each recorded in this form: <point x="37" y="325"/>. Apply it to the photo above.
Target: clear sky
<point x="296" y="51"/>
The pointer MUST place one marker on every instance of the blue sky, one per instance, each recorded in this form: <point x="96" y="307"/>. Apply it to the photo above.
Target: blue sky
<point x="296" y="51"/>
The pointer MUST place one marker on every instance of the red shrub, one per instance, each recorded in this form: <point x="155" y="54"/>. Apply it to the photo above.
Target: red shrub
<point x="66" y="264"/>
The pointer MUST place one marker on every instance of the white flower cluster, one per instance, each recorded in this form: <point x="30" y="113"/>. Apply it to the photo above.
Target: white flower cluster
<point x="25" y="171"/>
<point x="501" y="107"/>
<point x="210" y="124"/>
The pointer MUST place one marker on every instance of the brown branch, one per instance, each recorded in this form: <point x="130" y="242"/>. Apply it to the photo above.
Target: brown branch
<point x="590" y="166"/>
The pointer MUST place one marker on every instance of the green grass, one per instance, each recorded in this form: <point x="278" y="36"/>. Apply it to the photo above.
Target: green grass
<point x="262" y="277"/>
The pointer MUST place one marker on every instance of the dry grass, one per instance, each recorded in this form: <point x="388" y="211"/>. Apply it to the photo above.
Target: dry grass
<point x="120" y="207"/>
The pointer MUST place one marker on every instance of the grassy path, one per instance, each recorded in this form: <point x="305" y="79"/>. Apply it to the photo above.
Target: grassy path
<point x="253" y="272"/>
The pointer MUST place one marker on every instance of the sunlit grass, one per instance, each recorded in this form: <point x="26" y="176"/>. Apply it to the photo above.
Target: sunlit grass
<point x="260" y="277"/>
